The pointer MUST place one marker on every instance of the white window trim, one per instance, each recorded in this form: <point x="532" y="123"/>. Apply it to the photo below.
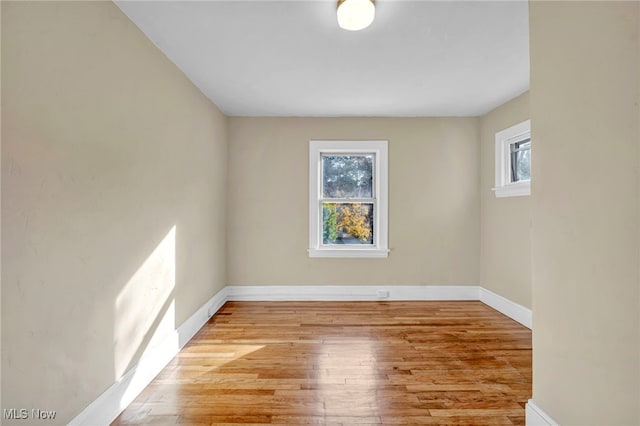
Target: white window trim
<point x="380" y="231"/>
<point x="503" y="185"/>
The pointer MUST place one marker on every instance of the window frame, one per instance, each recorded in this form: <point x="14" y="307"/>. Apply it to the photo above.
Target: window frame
<point x="504" y="186"/>
<point x="379" y="148"/>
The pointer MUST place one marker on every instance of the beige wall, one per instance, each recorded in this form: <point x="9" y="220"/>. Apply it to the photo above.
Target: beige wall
<point x="584" y="111"/>
<point x="433" y="202"/>
<point x="505" y="252"/>
<point x="114" y="195"/>
<point x="113" y="201"/>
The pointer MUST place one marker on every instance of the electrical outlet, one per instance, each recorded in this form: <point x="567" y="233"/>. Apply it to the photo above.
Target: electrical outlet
<point x="383" y="293"/>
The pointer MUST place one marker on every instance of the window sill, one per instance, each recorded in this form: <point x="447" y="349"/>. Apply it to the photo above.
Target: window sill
<point x="349" y="253"/>
<point x="513" y="190"/>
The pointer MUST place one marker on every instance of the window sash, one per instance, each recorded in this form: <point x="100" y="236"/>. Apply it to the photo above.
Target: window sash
<point x="379" y="199"/>
<point x="347" y="200"/>
<point x="519" y="146"/>
<point x="374" y="227"/>
<point x="374" y="167"/>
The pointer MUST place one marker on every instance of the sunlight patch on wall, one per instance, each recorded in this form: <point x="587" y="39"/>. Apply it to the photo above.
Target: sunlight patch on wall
<point x="145" y="308"/>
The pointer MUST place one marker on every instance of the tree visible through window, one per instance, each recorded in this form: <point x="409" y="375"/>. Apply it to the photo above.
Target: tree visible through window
<point x="347" y="199"/>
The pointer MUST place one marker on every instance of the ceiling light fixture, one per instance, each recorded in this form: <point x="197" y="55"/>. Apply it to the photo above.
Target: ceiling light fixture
<point x="354" y="15"/>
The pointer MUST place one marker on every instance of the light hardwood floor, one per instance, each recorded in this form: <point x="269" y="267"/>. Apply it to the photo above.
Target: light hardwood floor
<point x="349" y="363"/>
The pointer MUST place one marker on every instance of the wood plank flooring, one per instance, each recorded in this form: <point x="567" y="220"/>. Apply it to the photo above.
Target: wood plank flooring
<point x="345" y="363"/>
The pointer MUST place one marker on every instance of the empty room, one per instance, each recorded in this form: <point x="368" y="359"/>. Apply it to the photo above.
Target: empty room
<point x="318" y="212"/>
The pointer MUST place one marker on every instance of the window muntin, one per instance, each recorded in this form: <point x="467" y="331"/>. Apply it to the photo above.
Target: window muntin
<point x="348" y="199"/>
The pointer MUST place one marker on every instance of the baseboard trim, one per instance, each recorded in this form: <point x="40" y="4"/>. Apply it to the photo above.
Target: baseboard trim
<point x="367" y="293"/>
<point x="536" y="416"/>
<point x="118" y="396"/>
<point x="109" y="405"/>
<point x="507" y="307"/>
<point x="351" y="293"/>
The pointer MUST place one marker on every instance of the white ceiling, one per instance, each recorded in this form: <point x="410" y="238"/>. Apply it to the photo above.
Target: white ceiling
<point x="289" y="58"/>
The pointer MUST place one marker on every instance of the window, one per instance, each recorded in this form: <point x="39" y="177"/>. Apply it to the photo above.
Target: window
<point x="348" y="199"/>
<point x="513" y="161"/>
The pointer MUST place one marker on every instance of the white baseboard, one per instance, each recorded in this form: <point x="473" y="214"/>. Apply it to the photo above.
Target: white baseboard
<point x="351" y="293"/>
<point x="191" y="326"/>
<point x="535" y="416"/>
<point x="119" y="395"/>
<point x="507" y="307"/>
<point x="361" y="293"/>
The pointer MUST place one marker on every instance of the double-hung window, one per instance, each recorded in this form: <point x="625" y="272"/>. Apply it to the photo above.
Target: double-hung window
<point x="513" y="161"/>
<point x="348" y="199"/>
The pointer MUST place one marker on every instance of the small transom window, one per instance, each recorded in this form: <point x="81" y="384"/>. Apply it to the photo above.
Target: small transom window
<point x="513" y="161"/>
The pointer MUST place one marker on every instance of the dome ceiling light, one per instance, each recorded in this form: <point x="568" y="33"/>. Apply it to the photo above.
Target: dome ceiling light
<point x="355" y="15"/>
